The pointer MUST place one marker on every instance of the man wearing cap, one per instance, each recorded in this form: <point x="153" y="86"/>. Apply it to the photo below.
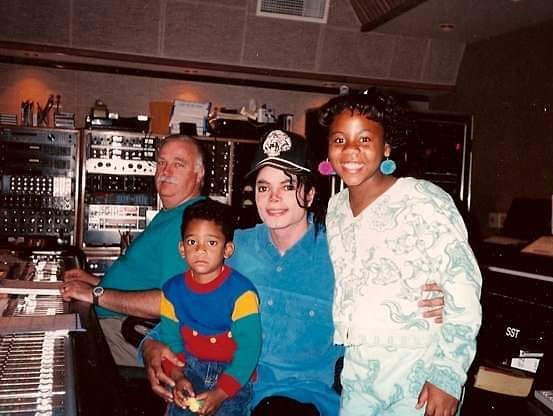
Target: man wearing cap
<point x="286" y="257"/>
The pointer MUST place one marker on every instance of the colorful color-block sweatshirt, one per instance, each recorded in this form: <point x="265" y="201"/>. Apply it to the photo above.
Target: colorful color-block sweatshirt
<point x="217" y="321"/>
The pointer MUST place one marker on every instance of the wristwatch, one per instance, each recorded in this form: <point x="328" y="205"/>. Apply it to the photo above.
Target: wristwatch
<point x="97" y="293"/>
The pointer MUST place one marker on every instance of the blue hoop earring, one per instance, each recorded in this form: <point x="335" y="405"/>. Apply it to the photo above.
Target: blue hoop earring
<point x="388" y="166"/>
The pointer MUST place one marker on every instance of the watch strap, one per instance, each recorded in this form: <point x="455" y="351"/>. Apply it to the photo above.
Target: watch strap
<point x="97" y="292"/>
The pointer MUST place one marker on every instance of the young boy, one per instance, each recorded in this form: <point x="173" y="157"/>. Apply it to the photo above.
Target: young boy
<point x="387" y="237"/>
<point x="210" y="316"/>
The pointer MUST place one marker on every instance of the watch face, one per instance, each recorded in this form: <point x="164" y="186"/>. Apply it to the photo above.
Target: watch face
<point x="98" y="291"/>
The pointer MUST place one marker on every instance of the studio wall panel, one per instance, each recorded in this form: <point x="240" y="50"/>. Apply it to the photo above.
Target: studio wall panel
<point x="442" y="63"/>
<point x="340" y="13"/>
<point x="352" y="52"/>
<point x="35" y="21"/>
<point x="204" y="32"/>
<point x="408" y="58"/>
<point x="125" y="25"/>
<point x="243" y="4"/>
<point x="280" y="43"/>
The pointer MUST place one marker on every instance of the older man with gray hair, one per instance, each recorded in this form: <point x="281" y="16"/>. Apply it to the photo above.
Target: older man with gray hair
<point x="132" y="284"/>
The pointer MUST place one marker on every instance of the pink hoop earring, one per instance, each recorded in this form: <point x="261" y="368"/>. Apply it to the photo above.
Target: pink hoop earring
<point x="325" y="168"/>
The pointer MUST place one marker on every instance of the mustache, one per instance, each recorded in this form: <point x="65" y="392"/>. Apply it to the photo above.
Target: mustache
<point x="168" y="179"/>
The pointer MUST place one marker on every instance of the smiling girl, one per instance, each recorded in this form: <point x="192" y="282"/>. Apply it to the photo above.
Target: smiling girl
<point x="387" y="237"/>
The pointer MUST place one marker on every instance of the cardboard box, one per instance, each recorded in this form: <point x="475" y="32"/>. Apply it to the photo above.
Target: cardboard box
<point x="160" y="114"/>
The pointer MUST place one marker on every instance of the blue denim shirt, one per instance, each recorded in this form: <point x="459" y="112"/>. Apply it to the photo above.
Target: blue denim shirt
<point x="296" y="291"/>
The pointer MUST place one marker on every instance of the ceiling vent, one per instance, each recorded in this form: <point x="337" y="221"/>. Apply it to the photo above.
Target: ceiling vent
<point x="303" y="10"/>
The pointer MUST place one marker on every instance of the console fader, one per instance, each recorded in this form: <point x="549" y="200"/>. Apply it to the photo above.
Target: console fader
<point x="38" y="184"/>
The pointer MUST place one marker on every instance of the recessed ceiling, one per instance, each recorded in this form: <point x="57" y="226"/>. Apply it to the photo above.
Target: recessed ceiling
<point x="372" y="14"/>
<point x="473" y="20"/>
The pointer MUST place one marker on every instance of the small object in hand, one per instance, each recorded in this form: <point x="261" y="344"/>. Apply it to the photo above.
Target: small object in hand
<point x="193" y="404"/>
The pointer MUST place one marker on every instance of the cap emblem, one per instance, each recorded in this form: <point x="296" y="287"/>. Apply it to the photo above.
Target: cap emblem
<point x="276" y="142"/>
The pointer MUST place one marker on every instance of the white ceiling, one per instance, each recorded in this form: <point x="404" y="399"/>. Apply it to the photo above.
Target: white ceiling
<point x="473" y="19"/>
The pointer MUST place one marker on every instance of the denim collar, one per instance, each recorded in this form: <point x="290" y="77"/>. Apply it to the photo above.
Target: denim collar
<point x="302" y="247"/>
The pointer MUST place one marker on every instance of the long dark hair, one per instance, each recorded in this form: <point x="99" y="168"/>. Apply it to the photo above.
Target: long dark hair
<point x="316" y="211"/>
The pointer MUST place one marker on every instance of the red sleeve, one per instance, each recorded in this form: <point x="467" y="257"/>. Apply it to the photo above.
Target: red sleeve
<point x="228" y="384"/>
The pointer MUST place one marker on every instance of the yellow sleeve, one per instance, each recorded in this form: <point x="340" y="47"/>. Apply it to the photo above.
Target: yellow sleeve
<point x="167" y="309"/>
<point x="246" y="304"/>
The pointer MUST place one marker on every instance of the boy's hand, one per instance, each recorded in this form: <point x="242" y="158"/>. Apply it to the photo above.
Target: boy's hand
<point x="182" y="391"/>
<point x="438" y="402"/>
<point x="211" y="401"/>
